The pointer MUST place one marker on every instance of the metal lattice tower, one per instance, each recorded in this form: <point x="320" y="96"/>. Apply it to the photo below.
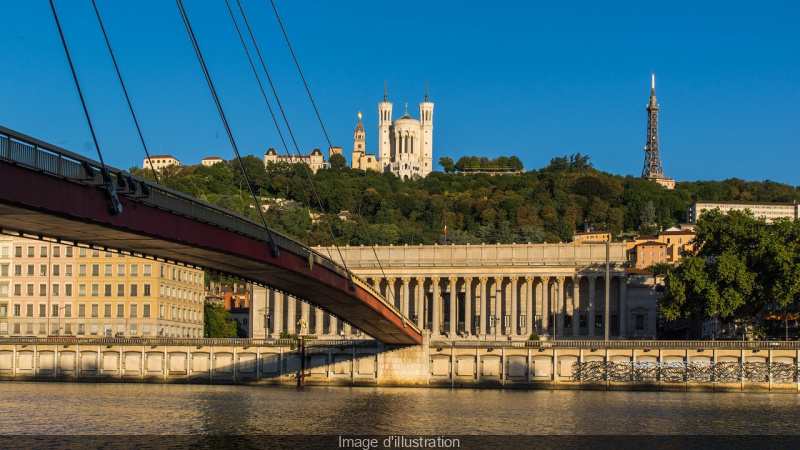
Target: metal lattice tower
<point x="652" y="156"/>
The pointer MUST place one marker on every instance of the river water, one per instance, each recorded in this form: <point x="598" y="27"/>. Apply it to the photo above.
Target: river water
<point x="31" y="408"/>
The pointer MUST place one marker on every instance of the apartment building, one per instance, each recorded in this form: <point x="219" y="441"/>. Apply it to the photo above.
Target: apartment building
<point x="55" y="289"/>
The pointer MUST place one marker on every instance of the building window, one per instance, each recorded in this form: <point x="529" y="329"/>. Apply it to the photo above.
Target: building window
<point x="134" y="289"/>
<point x="4" y="270"/>
<point x="81" y="328"/>
<point x="121" y="270"/>
<point x="639" y="318"/>
<point x="82" y="310"/>
<point x="30" y="270"/>
<point x="81" y="270"/>
<point x="69" y="252"/>
<point x="146" y="292"/>
<point x="67" y="310"/>
<point x="56" y="270"/>
<point x="107" y="310"/>
<point x="42" y="310"/>
<point x="17" y="310"/>
<point x="107" y="290"/>
<point x="29" y="310"/>
<point x="95" y="253"/>
<point x="95" y="270"/>
<point x="134" y="270"/>
<point x="43" y="251"/>
<point x="133" y="309"/>
<point x="95" y="309"/>
<point x="17" y="270"/>
<point x="147" y="270"/>
<point x="68" y="290"/>
<point x="30" y="251"/>
<point x="146" y="310"/>
<point x="42" y="290"/>
<point x="54" y="290"/>
<point x="95" y="290"/>
<point x="120" y="310"/>
<point x="68" y="270"/>
<point x="56" y="251"/>
<point x="107" y="271"/>
<point x="29" y="289"/>
<point x="120" y="290"/>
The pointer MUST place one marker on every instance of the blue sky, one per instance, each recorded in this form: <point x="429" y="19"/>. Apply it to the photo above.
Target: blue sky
<point x="530" y="79"/>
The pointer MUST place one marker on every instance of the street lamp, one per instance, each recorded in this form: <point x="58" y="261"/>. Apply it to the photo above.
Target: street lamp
<point x="265" y="313"/>
<point x="58" y="332"/>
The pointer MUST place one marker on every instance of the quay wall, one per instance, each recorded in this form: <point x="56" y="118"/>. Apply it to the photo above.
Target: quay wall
<point x="612" y="365"/>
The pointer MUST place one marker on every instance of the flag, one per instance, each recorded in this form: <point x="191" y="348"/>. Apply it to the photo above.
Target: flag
<point x="445" y="228"/>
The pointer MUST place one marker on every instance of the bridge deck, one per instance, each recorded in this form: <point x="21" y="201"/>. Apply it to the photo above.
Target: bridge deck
<point x="45" y="204"/>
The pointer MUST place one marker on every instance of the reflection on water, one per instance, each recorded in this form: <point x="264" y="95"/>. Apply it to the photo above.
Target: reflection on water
<point x="83" y="408"/>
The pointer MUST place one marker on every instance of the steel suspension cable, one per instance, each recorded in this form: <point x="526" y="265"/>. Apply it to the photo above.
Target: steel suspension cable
<point x="324" y="131"/>
<point x="210" y="83"/>
<point x="263" y="93"/>
<point x="294" y="140"/>
<point x="127" y="98"/>
<point x="115" y="205"/>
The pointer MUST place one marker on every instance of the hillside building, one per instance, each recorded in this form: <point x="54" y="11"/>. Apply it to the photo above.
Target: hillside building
<point x="768" y="210"/>
<point x="160" y="162"/>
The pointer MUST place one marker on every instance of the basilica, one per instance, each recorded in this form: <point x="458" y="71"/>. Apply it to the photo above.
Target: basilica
<point x="405" y="145"/>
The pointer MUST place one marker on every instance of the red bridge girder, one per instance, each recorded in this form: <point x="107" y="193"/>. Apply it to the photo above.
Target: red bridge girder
<point x="44" y="205"/>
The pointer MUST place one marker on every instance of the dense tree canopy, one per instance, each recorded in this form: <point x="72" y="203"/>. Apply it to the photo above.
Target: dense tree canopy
<point x="741" y="265"/>
<point x="218" y="323"/>
<point x="545" y="205"/>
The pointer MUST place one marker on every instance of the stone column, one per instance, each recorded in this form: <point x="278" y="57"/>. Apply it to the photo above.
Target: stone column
<point x="623" y="305"/>
<point x="436" y="308"/>
<point x="318" y="317"/>
<point x="559" y="312"/>
<point x="391" y="292"/>
<point x="453" y="306"/>
<point x="333" y="328"/>
<point x="420" y="303"/>
<point x="305" y="316"/>
<point x="530" y="310"/>
<point x="545" y="303"/>
<point x="484" y="317"/>
<point x="376" y="285"/>
<point x="404" y="298"/>
<point x="468" y="305"/>
<point x="514" y="297"/>
<point x="277" y="314"/>
<point x="291" y="315"/>
<point x="592" y="299"/>
<point x="498" y="304"/>
<point x="576" y="305"/>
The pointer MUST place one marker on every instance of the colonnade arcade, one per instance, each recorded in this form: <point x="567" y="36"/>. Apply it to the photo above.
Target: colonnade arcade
<point x="475" y="306"/>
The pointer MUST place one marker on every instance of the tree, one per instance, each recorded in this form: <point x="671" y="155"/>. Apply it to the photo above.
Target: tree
<point x="337" y="161"/>
<point x="218" y="322"/>
<point x="648" y="219"/>
<point x="741" y="266"/>
<point x="447" y="164"/>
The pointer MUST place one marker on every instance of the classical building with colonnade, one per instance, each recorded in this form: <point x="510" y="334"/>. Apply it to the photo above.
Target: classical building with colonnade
<point x="503" y="291"/>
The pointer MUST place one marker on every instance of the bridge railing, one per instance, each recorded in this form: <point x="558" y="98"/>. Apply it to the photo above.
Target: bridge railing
<point x="620" y="344"/>
<point x="188" y="342"/>
<point x="35" y="154"/>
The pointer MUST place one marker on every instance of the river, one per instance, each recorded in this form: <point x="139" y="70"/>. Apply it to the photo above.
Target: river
<point x="35" y="408"/>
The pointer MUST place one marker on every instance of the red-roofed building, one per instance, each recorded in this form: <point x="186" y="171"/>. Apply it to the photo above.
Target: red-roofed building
<point x="160" y="161"/>
<point x="211" y="160"/>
